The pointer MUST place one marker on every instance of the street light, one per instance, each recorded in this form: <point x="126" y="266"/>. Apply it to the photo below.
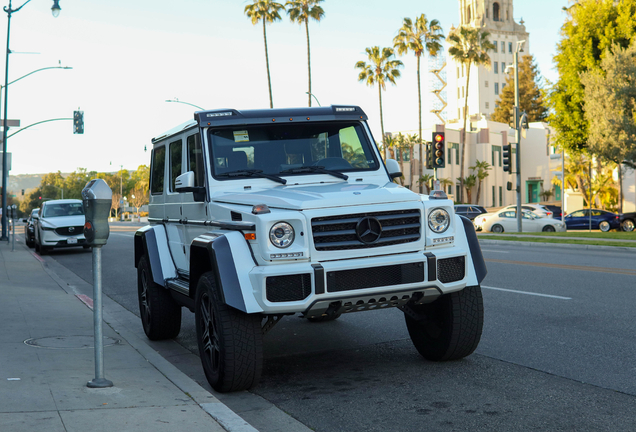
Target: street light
<point x="56" y="11"/>
<point x="187" y="103"/>
<point x="314" y="96"/>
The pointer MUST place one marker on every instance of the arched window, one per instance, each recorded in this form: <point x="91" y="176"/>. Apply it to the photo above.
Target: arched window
<point x="495" y="11"/>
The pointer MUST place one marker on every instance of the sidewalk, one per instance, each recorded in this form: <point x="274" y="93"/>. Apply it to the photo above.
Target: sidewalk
<point x="47" y="358"/>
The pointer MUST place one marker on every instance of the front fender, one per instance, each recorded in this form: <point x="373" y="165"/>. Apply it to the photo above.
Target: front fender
<point x="153" y="242"/>
<point x="475" y="250"/>
<point x="228" y="257"/>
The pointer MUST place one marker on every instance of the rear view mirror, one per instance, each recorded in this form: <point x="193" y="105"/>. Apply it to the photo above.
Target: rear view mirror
<point x="185" y="183"/>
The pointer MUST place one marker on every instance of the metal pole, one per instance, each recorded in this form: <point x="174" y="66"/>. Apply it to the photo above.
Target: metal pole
<point x="563" y="185"/>
<point x="13" y="214"/>
<point x="4" y="131"/>
<point x="589" y="203"/>
<point x="99" y="381"/>
<point x="518" y="158"/>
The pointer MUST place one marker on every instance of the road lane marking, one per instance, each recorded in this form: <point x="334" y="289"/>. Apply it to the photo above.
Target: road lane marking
<point x="528" y="293"/>
<point x="494" y="251"/>
<point x="568" y="267"/>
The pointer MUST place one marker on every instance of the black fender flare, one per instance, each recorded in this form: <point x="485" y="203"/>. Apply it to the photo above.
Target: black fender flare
<point x="146" y="244"/>
<point x="475" y="250"/>
<point x="212" y="252"/>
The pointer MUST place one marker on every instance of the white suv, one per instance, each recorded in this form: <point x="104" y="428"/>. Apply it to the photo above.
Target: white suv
<point x="59" y="224"/>
<point x="259" y="214"/>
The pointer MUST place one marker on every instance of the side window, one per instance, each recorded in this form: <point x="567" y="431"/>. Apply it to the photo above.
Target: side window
<point x="175" y="162"/>
<point x="195" y="159"/>
<point x="158" y="170"/>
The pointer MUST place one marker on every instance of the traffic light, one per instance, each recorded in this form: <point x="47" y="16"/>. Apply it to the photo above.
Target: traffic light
<point x="507" y="158"/>
<point x="78" y="122"/>
<point x="514" y="117"/>
<point x="439" y="150"/>
<point x="429" y="156"/>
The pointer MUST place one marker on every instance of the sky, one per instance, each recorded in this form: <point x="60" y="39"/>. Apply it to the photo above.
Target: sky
<point x="129" y="57"/>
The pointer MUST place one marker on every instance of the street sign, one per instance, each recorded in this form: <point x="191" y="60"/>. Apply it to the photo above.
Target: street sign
<point x="10" y="123"/>
<point x="8" y="160"/>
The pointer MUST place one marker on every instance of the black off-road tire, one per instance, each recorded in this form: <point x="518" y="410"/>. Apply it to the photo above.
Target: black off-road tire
<point x="230" y="341"/>
<point x="496" y="228"/>
<point x="627" y="225"/>
<point x="324" y="318"/>
<point x="548" y="228"/>
<point x="450" y="327"/>
<point x="160" y="314"/>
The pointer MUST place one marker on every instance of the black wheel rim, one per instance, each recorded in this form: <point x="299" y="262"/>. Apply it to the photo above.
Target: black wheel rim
<point x="209" y="334"/>
<point x="143" y="299"/>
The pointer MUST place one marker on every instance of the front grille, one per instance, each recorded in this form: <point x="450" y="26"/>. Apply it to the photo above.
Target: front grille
<point x="339" y="232"/>
<point x="288" y="288"/>
<point x="373" y="277"/>
<point x="70" y="231"/>
<point x="451" y="269"/>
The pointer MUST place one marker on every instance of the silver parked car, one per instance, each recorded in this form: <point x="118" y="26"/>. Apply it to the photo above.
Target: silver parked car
<point x="60" y="223"/>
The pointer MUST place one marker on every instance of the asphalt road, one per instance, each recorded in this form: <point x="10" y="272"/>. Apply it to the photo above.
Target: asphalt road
<point x="557" y="352"/>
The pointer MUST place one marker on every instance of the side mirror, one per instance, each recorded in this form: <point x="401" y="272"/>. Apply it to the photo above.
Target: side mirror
<point x="394" y="168"/>
<point x="185" y="183"/>
<point x="24" y="219"/>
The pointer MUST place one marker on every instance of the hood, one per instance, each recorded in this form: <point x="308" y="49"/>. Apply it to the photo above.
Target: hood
<point x="321" y="196"/>
<point x="63" y="221"/>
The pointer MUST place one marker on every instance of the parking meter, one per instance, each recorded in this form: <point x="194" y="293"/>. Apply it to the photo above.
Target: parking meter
<point x="97" y="201"/>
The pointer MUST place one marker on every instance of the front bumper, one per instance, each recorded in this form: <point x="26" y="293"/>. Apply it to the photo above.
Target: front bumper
<point x="51" y="239"/>
<point x="360" y="284"/>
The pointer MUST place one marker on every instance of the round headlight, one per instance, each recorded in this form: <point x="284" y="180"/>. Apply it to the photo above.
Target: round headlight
<point x="281" y="235"/>
<point x="438" y="220"/>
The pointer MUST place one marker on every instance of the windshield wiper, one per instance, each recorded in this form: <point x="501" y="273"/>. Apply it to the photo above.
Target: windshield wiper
<point x="253" y="173"/>
<point x="318" y="169"/>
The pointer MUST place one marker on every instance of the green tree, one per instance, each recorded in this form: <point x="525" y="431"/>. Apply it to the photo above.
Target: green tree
<point x="530" y="94"/>
<point x="469" y="46"/>
<point x="419" y="37"/>
<point x="75" y="182"/>
<point x="382" y="67"/>
<point x="300" y="11"/>
<point x="267" y="12"/>
<point x="425" y="180"/>
<point x="482" y="168"/>
<point x="610" y="108"/>
<point x="592" y="26"/>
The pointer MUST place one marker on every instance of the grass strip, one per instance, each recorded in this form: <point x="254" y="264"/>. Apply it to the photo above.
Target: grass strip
<point x="563" y="240"/>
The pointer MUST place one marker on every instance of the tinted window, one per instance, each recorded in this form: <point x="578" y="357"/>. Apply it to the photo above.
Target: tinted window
<point x="158" y="170"/>
<point x="195" y="159"/>
<point x="340" y="146"/>
<point x="175" y="162"/>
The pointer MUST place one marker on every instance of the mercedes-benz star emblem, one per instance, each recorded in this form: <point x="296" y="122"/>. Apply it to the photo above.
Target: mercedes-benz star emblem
<point x="369" y="230"/>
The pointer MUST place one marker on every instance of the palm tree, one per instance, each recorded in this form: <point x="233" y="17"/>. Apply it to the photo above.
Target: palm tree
<point x="468" y="183"/>
<point x="418" y="37"/>
<point x="382" y="68"/>
<point x="266" y="11"/>
<point x="300" y="11"/>
<point x="482" y="172"/>
<point x="425" y="180"/>
<point x="470" y="46"/>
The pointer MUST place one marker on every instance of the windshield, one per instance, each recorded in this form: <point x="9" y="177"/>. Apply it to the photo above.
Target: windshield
<point x="289" y="149"/>
<point x="66" y="209"/>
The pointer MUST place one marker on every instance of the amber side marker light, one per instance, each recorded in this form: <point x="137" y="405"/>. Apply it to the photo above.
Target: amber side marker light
<point x="250" y="236"/>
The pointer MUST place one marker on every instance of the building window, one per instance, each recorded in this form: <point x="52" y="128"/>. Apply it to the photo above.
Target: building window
<point x="495" y="11"/>
<point x="458" y="93"/>
<point x="510" y="47"/>
<point x="455" y="146"/>
<point x="456" y="192"/>
<point x="503" y="47"/>
<point x="496" y="88"/>
<point x="450" y="156"/>
<point x="487" y="105"/>
<point x="496" y="65"/>
<point x="450" y="190"/>
<point x="502" y="86"/>
<point x="458" y="71"/>
<point x="500" y="196"/>
<point x="493" y="194"/>
<point x="503" y="67"/>
<point x="486" y="84"/>
<point x="459" y="114"/>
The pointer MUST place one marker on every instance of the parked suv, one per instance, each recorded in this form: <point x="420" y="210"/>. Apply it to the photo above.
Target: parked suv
<point x="255" y="215"/>
<point x="469" y="211"/>
<point x="29" y="228"/>
<point x="59" y="224"/>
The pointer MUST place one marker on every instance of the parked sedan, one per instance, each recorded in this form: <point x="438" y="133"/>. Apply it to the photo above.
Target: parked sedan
<point x="600" y="220"/>
<point x="60" y="223"/>
<point x="506" y="221"/>
<point x="627" y="221"/>
<point x="29" y="228"/>
<point x="470" y="211"/>
<point x="537" y="209"/>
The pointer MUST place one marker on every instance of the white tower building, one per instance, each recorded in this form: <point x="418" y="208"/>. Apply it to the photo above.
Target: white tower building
<point x="495" y="16"/>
